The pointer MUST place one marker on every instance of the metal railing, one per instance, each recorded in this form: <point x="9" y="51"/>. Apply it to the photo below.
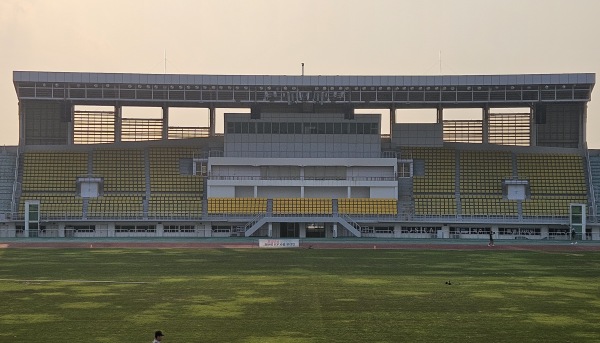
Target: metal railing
<point x="591" y="182"/>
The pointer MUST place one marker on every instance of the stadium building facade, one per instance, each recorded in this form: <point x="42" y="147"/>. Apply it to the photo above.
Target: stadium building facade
<point x="301" y="156"/>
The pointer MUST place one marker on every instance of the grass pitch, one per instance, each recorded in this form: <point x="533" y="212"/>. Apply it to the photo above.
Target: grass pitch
<point x="253" y="295"/>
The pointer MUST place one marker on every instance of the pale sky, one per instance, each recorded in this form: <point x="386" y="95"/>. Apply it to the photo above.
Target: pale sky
<point x="332" y="37"/>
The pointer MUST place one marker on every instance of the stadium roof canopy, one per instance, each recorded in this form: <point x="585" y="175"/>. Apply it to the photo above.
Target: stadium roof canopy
<point x="245" y="90"/>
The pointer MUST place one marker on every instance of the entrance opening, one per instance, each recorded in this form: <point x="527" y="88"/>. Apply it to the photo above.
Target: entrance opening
<point x="315" y="230"/>
<point x="289" y="230"/>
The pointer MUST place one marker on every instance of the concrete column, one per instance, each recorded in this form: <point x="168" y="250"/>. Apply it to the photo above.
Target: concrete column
<point x="160" y="230"/>
<point x="302" y="229"/>
<point x="446" y="231"/>
<point x="70" y="126"/>
<point x="270" y="232"/>
<point x="110" y="230"/>
<point x="440" y="115"/>
<point x="392" y="119"/>
<point x="397" y="230"/>
<point x="533" y="128"/>
<point x="208" y="230"/>
<point x="583" y="127"/>
<point x="495" y="231"/>
<point x="335" y="228"/>
<point x="118" y="123"/>
<point x="212" y="120"/>
<point x="165" y="123"/>
<point x="485" y="118"/>
<point x="22" y="135"/>
<point x="544" y="232"/>
<point x="61" y="229"/>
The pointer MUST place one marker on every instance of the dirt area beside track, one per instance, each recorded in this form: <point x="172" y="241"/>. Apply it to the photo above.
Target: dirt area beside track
<point x="304" y="245"/>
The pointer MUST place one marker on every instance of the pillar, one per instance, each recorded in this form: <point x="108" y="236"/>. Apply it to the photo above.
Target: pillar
<point x="61" y="229"/>
<point x="212" y="120"/>
<point x="110" y="230"/>
<point x="270" y="232"/>
<point x="165" y="123"/>
<point x="302" y="230"/>
<point x="392" y="119"/>
<point x="533" y="127"/>
<point x="70" y="125"/>
<point x="22" y="135"/>
<point x="485" y="119"/>
<point x="335" y="232"/>
<point x="440" y="115"/>
<point x="583" y="127"/>
<point x="118" y="123"/>
<point x="160" y="230"/>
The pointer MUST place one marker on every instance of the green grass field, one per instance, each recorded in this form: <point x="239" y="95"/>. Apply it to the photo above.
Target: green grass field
<point x="308" y="295"/>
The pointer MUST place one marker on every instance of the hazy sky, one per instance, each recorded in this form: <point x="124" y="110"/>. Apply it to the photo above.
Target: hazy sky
<point x="332" y="37"/>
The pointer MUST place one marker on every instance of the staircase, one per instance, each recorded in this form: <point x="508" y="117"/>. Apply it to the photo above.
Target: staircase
<point x="8" y="166"/>
<point x="595" y="177"/>
<point x="406" y="203"/>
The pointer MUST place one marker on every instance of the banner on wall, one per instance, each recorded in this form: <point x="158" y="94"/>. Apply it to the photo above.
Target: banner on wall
<point x="279" y="243"/>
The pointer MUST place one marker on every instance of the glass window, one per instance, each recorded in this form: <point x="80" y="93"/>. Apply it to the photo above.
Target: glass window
<point x="345" y="128"/>
<point x="230" y="127"/>
<point x="321" y="128"/>
<point x="329" y="128"/>
<point x="337" y="128"/>
<point x="352" y="127"/>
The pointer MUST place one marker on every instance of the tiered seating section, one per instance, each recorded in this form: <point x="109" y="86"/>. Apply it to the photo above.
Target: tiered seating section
<point x="481" y="176"/>
<point x="315" y="206"/>
<point x="440" y="170"/>
<point x="249" y="206"/>
<point x="555" y="180"/>
<point x="434" y="191"/>
<point x="437" y="205"/>
<point x="165" y="174"/>
<point x="51" y="177"/>
<point x="116" y="206"/>
<point x="173" y="193"/>
<point x="123" y="170"/>
<point x="363" y="206"/>
<point x="482" y="172"/>
<point x="175" y="205"/>
<point x="53" y="172"/>
<point x="487" y="205"/>
<point x="55" y="205"/>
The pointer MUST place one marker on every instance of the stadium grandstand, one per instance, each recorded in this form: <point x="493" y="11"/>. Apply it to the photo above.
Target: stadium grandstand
<point x="301" y="157"/>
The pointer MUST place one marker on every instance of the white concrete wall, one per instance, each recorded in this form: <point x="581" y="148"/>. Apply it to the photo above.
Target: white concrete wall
<point x="325" y="192"/>
<point x="418" y="134"/>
